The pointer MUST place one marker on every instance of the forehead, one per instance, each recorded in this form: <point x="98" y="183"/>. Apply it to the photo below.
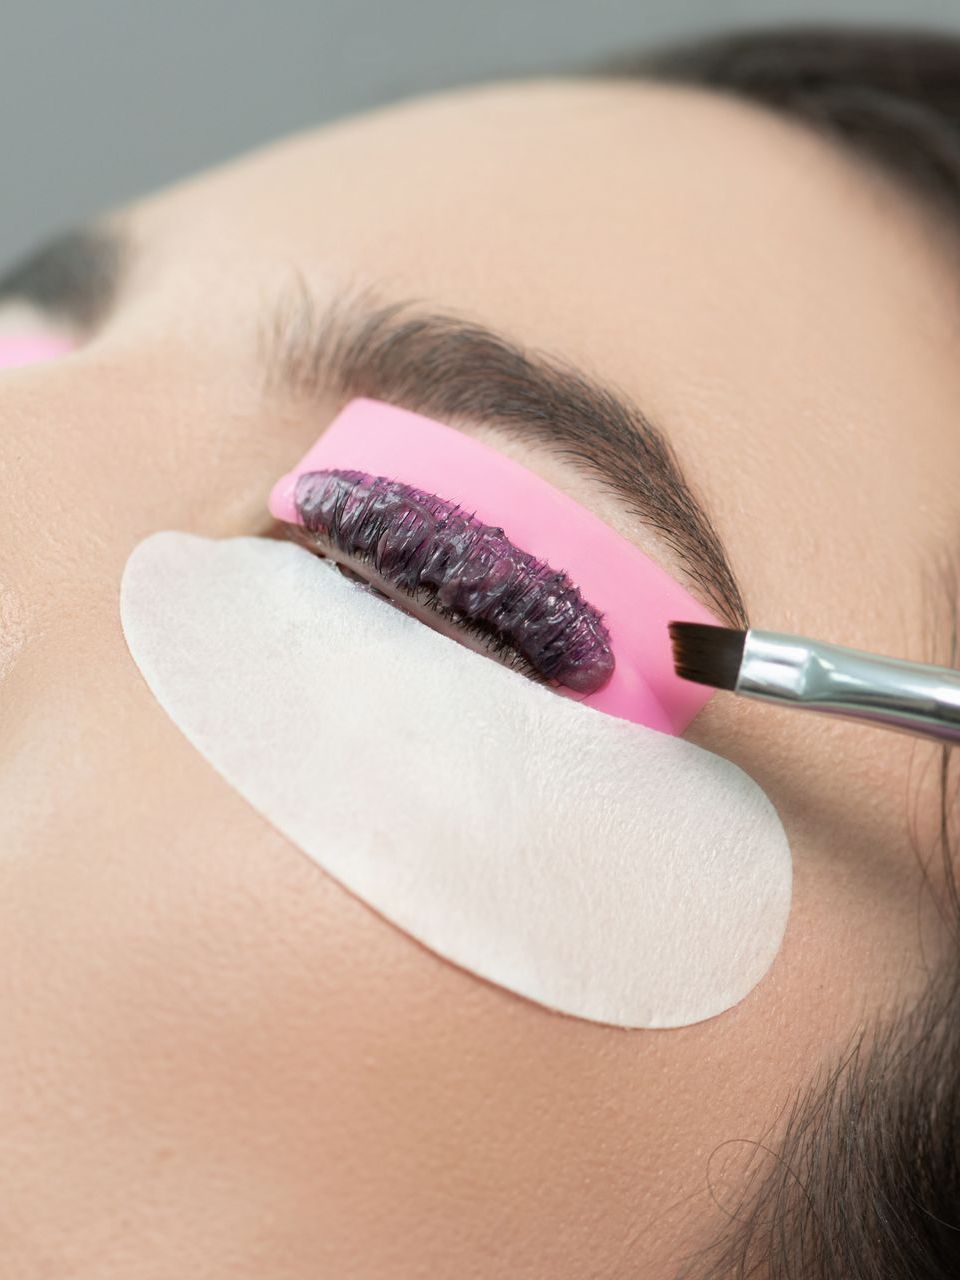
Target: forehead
<point x="782" y="311"/>
<point x="625" y="192"/>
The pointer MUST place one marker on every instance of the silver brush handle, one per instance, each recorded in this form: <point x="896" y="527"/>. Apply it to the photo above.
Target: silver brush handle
<point x="845" y="682"/>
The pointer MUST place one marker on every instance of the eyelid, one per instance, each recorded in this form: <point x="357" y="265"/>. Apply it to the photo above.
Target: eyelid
<point x="465" y="570"/>
<point x="493" y="644"/>
<point x="636" y="596"/>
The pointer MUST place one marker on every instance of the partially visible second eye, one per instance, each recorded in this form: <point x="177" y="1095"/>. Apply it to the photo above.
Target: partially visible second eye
<point x="21" y="348"/>
<point x="457" y="574"/>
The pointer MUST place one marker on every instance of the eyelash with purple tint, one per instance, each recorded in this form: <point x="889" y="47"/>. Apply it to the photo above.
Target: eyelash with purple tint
<point x="526" y="614"/>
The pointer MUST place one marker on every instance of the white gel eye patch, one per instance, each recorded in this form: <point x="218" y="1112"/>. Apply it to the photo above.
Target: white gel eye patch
<point x="595" y="866"/>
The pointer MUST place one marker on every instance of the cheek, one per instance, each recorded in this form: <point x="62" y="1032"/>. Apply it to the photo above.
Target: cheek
<point x="594" y="866"/>
<point x="254" y="1050"/>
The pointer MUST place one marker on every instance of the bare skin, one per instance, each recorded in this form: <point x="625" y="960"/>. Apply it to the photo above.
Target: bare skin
<point x="218" y="1063"/>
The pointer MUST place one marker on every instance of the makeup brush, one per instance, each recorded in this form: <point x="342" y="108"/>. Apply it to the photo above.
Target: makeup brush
<point x="798" y="672"/>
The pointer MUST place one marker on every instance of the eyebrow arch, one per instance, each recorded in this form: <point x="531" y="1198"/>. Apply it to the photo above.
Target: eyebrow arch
<point x="77" y="274"/>
<point x="457" y="370"/>
<point x="432" y="362"/>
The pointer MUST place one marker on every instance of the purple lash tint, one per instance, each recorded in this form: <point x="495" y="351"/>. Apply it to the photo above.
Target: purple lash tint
<point x="415" y="539"/>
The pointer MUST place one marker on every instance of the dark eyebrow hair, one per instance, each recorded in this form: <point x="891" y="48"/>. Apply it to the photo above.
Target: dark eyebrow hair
<point x="76" y="274"/>
<point x="433" y="362"/>
<point x="461" y="372"/>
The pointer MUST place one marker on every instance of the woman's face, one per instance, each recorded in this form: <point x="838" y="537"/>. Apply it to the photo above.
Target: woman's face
<point x="215" y="1059"/>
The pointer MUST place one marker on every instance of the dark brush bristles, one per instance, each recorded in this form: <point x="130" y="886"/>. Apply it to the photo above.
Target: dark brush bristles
<point x="707" y="655"/>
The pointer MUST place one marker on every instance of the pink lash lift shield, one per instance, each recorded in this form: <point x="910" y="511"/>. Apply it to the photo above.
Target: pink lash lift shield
<point x="635" y="595"/>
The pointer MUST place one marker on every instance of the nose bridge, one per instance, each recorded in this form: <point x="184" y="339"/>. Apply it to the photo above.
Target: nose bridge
<point x="76" y="485"/>
<point x="24" y="444"/>
<point x="39" y="418"/>
<point x="115" y="441"/>
<point x="70" y="430"/>
<point x="13" y="627"/>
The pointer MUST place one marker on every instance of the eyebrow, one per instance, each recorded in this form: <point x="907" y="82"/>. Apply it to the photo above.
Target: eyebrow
<point x="459" y="371"/>
<point x="75" y="275"/>
<point x="432" y="362"/>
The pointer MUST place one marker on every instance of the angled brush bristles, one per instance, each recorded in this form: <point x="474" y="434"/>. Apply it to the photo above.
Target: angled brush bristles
<point x="707" y="655"/>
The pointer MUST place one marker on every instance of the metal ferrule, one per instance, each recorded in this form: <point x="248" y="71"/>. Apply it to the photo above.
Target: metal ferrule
<point x="845" y="682"/>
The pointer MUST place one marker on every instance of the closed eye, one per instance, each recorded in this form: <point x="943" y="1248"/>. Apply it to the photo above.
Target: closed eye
<point x="422" y="604"/>
<point x="456" y="573"/>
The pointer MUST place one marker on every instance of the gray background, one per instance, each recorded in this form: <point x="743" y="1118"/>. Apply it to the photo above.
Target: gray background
<point x="101" y="100"/>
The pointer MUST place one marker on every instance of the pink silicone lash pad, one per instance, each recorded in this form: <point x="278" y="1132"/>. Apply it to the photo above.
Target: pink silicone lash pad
<point x="635" y="597"/>
<point x="31" y="348"/>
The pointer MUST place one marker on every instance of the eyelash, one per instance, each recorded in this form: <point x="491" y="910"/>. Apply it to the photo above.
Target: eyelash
<point x="493" y="642"/>
<point x="522" y="612"/>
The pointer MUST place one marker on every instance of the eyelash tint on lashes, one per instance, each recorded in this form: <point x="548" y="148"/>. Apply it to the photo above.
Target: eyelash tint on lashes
<point x="465" y="571"/>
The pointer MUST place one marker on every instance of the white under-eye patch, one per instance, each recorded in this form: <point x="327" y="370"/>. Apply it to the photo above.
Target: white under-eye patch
<point x="593" y="865"/>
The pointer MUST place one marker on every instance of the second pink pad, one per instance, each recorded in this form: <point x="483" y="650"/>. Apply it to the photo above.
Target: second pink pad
<point x="31" y="348"/>
<point x="636" y="596"/>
